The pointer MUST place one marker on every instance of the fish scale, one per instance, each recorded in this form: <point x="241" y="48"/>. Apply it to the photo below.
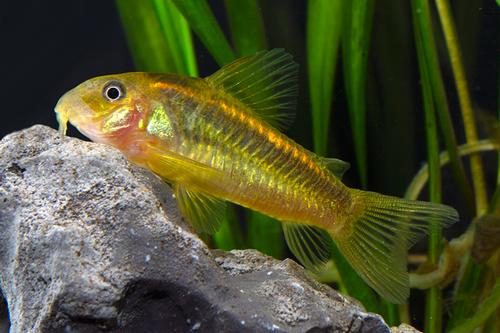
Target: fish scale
<point x="269" y="163"/>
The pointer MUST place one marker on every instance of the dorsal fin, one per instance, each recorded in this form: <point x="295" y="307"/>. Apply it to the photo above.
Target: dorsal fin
<point x="336" y="166"/>
<point x="265" y="82"/>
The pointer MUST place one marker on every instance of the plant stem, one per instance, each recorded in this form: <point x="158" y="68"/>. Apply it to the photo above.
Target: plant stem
<point x="465" y="102"/>
<point x="424" y="21"/>
<point x="418" y="182"/>
<point x="433" y="309"/>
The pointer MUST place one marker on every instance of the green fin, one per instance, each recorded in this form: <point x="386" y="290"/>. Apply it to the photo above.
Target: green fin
<point x="336" y="166"/>
<point x="204" y="212"/>
<point x="376" y="240"/>
<point x="265" y="82"/>
<point x="309" y="244"/>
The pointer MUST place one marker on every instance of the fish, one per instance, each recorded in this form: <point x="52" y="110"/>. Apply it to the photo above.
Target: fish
<point x="220" y="139"/>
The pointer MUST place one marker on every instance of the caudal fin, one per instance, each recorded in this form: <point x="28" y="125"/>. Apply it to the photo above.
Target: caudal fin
<point x="376" y="240"/>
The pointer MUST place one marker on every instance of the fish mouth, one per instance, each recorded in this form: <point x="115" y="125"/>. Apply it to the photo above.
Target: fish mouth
<point x="67" y="107"/>
<point x="62" y="120"/>
<point x="71" y="108"/>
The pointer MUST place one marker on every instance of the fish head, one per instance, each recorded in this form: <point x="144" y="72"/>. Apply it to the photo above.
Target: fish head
<point x="106" y="109"/>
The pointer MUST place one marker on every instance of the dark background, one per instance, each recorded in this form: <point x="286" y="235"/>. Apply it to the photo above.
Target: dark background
<point x="50" y="46"/>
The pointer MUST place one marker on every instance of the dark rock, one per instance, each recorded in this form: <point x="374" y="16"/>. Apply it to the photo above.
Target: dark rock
<point x="91" y="243"/>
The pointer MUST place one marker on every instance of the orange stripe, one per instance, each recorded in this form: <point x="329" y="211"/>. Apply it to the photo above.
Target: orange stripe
<point x="251" y="122"/>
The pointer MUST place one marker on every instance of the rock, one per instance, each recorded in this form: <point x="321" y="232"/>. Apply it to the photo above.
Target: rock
<point x="404" y="328"/>
<point x="91" y="243"/>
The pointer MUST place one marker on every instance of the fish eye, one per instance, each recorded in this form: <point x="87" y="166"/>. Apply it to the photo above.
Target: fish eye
<point x="113" y="91"/>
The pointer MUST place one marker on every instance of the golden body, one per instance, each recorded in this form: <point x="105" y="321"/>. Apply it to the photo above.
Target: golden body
<point x="258" y="167"/>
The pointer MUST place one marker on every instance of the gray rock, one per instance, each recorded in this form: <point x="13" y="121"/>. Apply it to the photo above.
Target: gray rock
<point x="404" y="328"/>
<point x="91" y="243"/>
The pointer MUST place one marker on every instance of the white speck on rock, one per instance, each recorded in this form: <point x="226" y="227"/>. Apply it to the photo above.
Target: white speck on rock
<point x="270" y="272"/>
<point x="298" y="286"/>
<point x="195" y="257"/>
<point x="242" y="291"/>
<point x="242" y="322"/>
<point x="196" y="326"/>
<point x="147" y="258"/>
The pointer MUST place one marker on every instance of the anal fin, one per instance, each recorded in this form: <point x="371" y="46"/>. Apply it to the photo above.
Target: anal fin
<point x="309" y="244"/>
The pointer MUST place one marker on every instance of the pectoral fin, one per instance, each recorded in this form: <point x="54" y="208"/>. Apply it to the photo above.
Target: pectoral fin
<point x="179" y="169"/>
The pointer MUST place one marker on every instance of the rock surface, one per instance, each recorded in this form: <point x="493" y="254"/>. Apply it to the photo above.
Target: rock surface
<point x="90" y="243"/>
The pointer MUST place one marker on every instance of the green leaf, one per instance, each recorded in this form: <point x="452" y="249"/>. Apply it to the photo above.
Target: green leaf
<point x="144" y="35"/>
<point x="204" y="24"/>
<point x="358" y="15"/>
<point x="469" y="124"/>
<point x="230" y="234"/>
<point x="246" y="25"/>
<point x="434" y="304"/>
<point x="265" y="234"/>
<point x="324" y="24"/>
<point x="177" y="36"/>
<point x="424" y="21"/>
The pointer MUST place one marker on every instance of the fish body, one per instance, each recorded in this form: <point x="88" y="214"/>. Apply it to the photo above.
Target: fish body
<point x="212" y="139"/>
<point x="257" y="166"/>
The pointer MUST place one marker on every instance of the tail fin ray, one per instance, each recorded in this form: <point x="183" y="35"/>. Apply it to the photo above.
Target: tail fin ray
<point x="376" y="239"/>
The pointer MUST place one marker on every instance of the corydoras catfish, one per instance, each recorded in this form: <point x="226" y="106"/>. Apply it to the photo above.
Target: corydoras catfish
<point x="216" y="139"/>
